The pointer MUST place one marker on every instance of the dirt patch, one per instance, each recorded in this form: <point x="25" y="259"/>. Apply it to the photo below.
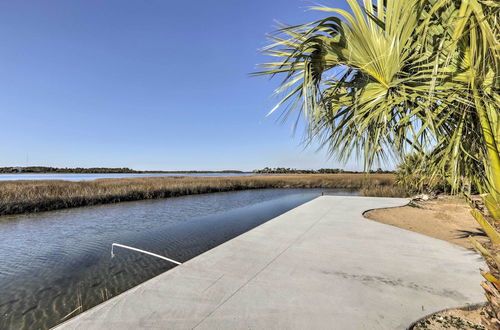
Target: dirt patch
<point x="453" y="319"/>
<point x="445" y="218"/>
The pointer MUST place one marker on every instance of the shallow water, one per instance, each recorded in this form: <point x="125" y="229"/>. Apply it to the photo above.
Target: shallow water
<point x="91" y="176"/>
<point x="54" y="262"/>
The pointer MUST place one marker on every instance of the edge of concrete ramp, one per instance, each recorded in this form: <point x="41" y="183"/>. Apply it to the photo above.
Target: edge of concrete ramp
<point x="321" y="265"/>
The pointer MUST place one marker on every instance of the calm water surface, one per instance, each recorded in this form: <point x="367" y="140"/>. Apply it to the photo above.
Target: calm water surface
<point x="86" y="177"/>
<point x="54" y="262"/>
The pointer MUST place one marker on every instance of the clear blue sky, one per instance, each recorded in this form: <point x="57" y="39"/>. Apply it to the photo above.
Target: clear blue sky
<point x="144" y="84"/>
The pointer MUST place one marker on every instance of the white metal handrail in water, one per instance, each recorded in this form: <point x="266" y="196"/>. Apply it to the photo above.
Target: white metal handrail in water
<point x="142" y="251"/>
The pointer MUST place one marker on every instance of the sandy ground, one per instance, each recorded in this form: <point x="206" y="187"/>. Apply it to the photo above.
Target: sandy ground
<point x="445" y="218"/>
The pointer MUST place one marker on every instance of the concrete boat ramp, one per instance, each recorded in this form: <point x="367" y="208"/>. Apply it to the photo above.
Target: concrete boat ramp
<point x="319" y="266"/>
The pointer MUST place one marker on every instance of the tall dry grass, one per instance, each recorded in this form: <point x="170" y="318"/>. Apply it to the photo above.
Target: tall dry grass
<point x="35" y="196"/>
<point x="385" y="191"/>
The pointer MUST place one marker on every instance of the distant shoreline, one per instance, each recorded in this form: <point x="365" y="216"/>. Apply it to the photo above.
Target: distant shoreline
<point x="97" y="170"/>
<point x="126" y="170"/>
<point x="136" y="172"/>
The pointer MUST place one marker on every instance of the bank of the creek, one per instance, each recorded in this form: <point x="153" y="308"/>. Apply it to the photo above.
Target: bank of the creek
<point x="57" y="264"/>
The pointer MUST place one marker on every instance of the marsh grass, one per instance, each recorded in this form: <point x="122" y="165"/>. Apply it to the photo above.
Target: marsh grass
<point x="36" y="196"/>
<point x="385" y="191"/>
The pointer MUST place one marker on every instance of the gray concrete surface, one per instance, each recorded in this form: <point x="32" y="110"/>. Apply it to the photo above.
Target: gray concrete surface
<point x="319" y="266"/>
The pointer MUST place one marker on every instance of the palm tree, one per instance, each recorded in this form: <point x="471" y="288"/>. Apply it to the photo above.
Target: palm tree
<point x="395" y="77"/>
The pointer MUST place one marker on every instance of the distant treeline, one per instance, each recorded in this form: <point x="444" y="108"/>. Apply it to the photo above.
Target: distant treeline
<point x="266" y="170"/>
<point x="283" y="170"/>
<point x="47" y="169"/>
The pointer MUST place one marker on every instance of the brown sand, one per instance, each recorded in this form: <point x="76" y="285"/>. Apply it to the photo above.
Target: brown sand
<point x="445" y="218"/>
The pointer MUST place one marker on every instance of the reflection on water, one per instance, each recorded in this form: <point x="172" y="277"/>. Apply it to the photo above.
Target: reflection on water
<point x="56" y="264"/>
